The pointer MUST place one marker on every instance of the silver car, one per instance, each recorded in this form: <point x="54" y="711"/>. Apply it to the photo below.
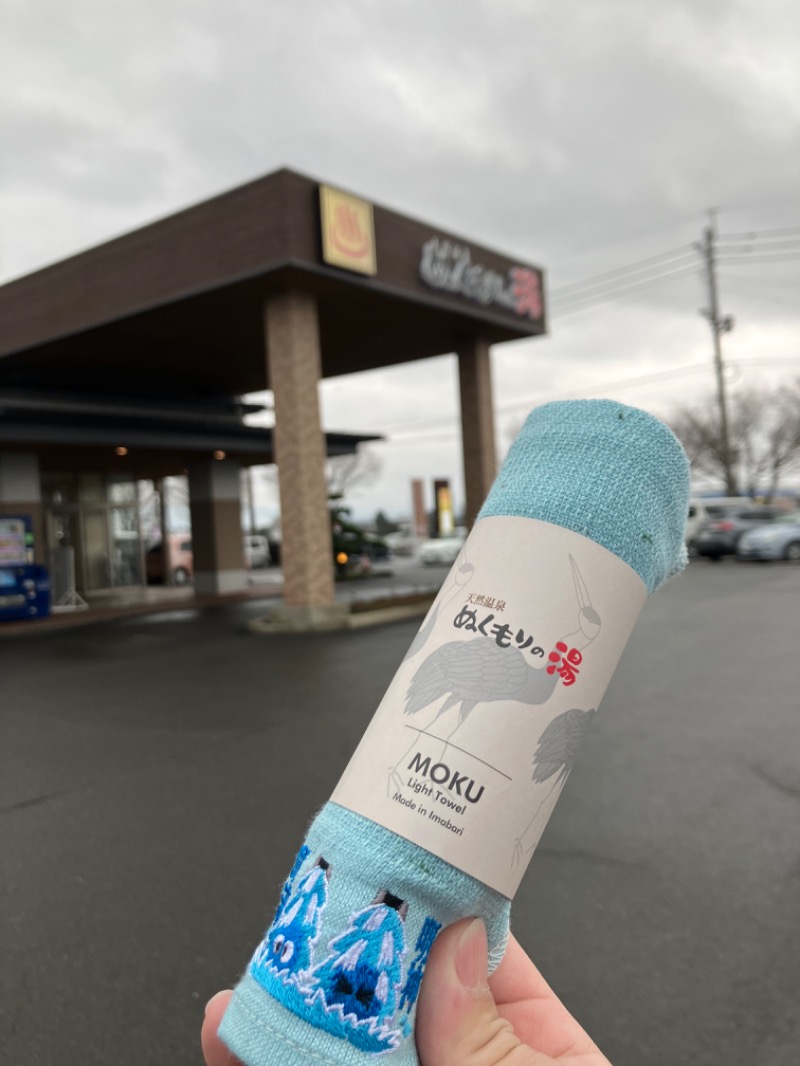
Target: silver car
<point x="778" y="540"/>
<point x="442" y="551"/>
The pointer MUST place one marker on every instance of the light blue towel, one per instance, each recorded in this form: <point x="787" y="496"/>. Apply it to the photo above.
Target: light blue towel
<point x="336" y="978"/>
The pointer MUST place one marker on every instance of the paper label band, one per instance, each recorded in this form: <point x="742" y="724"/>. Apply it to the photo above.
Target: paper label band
<point x="471" y="745"/>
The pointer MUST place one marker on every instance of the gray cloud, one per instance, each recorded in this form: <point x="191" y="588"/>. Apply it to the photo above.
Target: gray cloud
<point x="581" y="136"/>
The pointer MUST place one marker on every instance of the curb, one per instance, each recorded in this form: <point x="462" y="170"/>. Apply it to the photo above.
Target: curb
<point x="361" y="619"/>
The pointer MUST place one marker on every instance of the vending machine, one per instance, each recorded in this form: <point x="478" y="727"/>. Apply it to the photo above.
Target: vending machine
<point x="24" y="585"/>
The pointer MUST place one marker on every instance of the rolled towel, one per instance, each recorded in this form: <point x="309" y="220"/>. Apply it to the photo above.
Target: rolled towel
<point x="336" y="978"/>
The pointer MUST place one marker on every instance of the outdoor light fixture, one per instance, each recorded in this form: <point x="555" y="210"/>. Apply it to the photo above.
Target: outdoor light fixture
<point x="121" y="450"/>
<point x="219" y="454"/>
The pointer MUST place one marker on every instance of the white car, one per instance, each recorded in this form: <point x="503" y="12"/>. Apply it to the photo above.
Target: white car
<point x="403" y="542"/>
<point x="256" y="551"/>
<point x="441" y="551"/>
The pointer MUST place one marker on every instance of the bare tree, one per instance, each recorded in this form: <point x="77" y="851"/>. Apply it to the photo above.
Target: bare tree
<point x="765" y="437"/>
<point x="150" y="501"/>
<point x="342" y="473"/>
<point x="346" y="472"/>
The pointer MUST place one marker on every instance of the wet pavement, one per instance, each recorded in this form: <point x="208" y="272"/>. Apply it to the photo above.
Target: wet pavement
<point x="157" y="772"/>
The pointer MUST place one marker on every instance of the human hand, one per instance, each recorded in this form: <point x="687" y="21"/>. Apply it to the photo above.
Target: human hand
<point x="214" y="1051"/>
<point x="512" y="1019"/>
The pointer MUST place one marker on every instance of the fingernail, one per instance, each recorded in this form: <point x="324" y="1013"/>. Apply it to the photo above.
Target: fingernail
<point x="215" y="996"/>
<point x="472" y="957"/>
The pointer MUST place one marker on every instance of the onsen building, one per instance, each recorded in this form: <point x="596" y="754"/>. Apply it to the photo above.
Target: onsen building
<point x="130" y="360"/>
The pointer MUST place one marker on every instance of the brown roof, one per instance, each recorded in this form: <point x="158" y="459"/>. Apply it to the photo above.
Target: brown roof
<point x="176" y="308"/>
<point x="71" y="432"/>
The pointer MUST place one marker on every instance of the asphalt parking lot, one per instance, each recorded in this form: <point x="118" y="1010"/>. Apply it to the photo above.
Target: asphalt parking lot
<point x="156" y="775"/>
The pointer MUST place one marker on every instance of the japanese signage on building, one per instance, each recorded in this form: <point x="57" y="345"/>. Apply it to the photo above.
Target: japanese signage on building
<point x="449" y="267"/>
<point x="445" y="523"/>
<point x="348" y="232"/>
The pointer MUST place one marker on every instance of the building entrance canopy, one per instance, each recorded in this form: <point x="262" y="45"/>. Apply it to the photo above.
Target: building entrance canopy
<point x="176" y="308"/>
<point x="273" y="285"/>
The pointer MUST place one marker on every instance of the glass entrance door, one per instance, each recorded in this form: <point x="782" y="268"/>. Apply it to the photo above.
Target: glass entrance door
<point x="96" y="553"/>
<point x="126" y="548"/>
<point x="99" y="519"/>
<point x="65" y="557"/>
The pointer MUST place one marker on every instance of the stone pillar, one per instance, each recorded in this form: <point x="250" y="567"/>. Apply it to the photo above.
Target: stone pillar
<point x="477" y="424"/>
<point x="420" y="520"/>
<point x="293" y="353"/>
<point x="21" y="494"/>
<point x="217" y="547"/>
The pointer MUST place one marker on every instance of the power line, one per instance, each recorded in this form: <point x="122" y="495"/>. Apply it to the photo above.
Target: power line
<point x="625" y="383"/>
<point x="671" y="258"/>
<point x="639" y="266"/>
<point x="756" y="250"/>
<point x="619" y="289"/>
<point x="577" y="305"/>
<point x="412" y="431"/>
<point x="774" y="257"/>
<point x="571" y="304"/>
<point x="623" y="285"/>
<point x="757" y="246"/>
<point x="792" y="360"/>
<point x="586" y="297"/>
<point x="755" y="234"/>
<point x="438" y="421"/>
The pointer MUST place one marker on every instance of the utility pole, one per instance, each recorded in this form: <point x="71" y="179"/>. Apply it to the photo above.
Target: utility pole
<point x="718" y="327"/>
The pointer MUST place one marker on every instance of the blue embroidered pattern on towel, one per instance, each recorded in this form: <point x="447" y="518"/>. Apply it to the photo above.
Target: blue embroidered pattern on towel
<point x="360" y="991"/>
<point x="286" y="949"/>
<point x="408" y="997"/>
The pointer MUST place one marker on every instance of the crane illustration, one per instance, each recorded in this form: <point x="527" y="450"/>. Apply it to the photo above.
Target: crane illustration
<point x="554" y="756"/>
<point x="466" y="673"/>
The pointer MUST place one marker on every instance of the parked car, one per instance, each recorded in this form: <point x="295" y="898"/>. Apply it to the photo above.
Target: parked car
<point x="441" y="551"/>
<point x="376" y="548"/>
<point x="705" y="509"/>
<point x="356" y="543"/>
<point x="180" y="561"/>
<point x="777" y="540"/>
<point x="346" y="539"/>
<point x="274" y="542"/>
<point x="720" y="536"/>
<point x="256" y="550"/>
<point x="402" y="542"/>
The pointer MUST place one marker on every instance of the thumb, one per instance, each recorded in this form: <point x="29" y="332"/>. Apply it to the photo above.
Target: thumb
<point x="458" y="1023"/>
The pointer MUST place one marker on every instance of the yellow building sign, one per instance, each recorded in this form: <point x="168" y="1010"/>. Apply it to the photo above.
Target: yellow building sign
<point x="348" y="233"/>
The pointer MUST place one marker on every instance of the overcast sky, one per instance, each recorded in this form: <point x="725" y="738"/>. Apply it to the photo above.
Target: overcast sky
<point x="582" y="137"/>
